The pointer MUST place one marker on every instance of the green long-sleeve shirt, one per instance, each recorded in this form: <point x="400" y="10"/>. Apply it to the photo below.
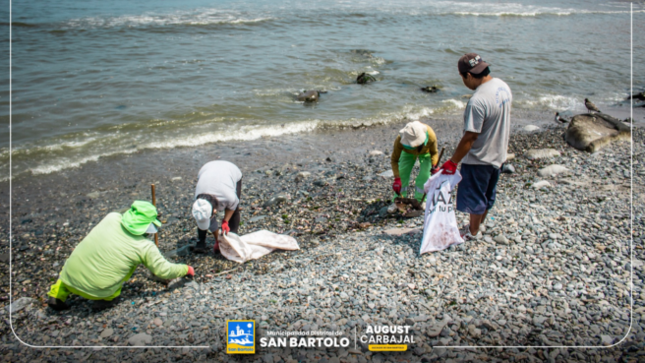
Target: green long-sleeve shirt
<point x="430" y="147"/>
<point x="109" y="253"/>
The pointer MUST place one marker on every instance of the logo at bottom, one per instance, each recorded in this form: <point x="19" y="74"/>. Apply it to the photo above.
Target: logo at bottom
<point x="240" y="337"/>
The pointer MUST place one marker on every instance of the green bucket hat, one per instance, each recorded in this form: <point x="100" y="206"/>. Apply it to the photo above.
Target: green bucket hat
<point x="138" y="218"/>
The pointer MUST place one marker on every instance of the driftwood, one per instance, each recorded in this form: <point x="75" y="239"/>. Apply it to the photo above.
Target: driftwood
<point x="593" y="131"/>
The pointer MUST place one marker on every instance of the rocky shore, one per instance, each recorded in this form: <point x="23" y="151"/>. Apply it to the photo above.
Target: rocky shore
<point x="552" y="269"/>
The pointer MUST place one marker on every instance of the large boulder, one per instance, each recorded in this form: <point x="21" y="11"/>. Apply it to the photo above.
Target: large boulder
<point x="591" y="132"/>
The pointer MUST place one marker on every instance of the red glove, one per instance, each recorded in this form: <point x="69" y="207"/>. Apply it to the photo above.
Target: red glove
<point x="397" y="185"/>
<point x="225" y="228"/>
<point x="449" y="167"/>
<point x="434" y="171"/>
<point x="216" y="247"/>
<point x="191" y="271"/>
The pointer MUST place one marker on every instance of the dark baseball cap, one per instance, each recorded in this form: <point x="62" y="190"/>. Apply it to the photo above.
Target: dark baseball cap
<point x="472" y="63"/>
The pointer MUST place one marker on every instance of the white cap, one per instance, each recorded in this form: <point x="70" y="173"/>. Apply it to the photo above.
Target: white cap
<point x="202" y="211"/>
<point x="413" y="134"/>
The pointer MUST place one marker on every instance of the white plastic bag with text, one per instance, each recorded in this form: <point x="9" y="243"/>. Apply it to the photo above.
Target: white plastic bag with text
<point x="440" y="229"/>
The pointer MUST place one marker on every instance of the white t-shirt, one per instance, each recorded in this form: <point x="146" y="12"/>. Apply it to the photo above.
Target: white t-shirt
<point x="219" y="178"/>
<point x="488" y="113"/>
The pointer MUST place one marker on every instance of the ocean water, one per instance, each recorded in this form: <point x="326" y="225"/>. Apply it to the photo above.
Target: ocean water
<point x="95" y="78"/>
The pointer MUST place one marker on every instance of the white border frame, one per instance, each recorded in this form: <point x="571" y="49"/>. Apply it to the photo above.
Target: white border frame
<point x="631" y="233"/>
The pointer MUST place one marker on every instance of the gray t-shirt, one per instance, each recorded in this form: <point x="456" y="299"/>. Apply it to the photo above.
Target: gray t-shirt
<point x="488" y="113"/>
<point x="219" y="179"/>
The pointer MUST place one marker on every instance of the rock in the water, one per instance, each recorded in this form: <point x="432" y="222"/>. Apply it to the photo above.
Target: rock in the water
<point x="551" y="170"/>
<point x="430" y="89"/>
<point x="530" y="128"/>
<point x="541" y="154"/>
<point x="365" y="78"/>
<point x="541" y="184"/>
<point x="19" y="304"/>
<point x="309" y="96"/>
<point x="508" y="168"/>
<point x="140" y="339"/>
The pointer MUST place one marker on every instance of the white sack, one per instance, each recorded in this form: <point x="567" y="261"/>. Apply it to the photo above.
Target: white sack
<point x="440" y="229"/>
<point x="271" y="240"/>
<point x="254" y="245"/>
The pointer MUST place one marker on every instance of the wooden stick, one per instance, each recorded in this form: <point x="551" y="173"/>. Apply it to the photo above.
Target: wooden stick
<point x="440" y="155"/>
<point x="154" y="202"/>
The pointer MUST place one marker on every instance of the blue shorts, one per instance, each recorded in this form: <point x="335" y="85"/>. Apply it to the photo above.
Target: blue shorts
<point x="477" y="189"/>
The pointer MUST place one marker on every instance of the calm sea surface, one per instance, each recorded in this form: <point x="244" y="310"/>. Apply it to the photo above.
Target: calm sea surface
<point x="94" y="78"/>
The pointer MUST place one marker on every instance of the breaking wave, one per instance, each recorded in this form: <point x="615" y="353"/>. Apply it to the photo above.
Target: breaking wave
<point x="196" y="18"/>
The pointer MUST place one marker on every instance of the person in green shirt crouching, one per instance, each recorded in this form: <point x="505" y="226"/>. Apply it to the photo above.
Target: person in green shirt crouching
<point x="107" y="257"/>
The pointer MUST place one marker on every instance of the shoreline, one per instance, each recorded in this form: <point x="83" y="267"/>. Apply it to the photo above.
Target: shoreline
<point x="353" y="187"/>
<point x="68" y="163"/>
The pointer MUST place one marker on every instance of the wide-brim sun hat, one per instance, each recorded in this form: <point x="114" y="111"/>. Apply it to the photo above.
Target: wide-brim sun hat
<point x="139" y="218"/>
<point x="413" y="134"/>
<point x="202" y="212"/>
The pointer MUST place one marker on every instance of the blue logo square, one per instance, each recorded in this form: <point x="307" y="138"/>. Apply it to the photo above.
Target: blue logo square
<point x="240" y="336"/>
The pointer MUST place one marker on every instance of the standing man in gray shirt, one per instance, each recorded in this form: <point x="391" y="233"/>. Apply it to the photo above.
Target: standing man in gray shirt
<point x="482" y="149"/>
<point x="219" y="187"/>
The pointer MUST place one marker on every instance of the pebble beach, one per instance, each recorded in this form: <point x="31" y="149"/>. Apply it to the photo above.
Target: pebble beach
<point x="553" y="267"/>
